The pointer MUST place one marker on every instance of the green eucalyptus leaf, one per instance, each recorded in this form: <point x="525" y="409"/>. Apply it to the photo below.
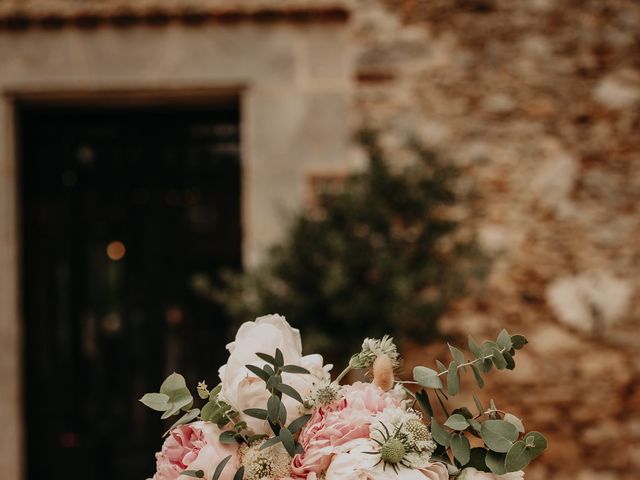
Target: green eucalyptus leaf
<point x="515" y="421"/>
<point x="273" y="408"/>
<point x="259" y="413"/>
<point x="279" y="358"/>
<point x="287" y="440"/>
<point x="474" y="348"/>
<point x="156" y="401"/>
<point x="186" y="418"/>
<point x="220" y="467"/>
<point x="294" y="369"/>
<point x="441" y="366"/>
<point x="173" y="385"/>
<point x="475" y="425"/>
<point x="498" y="435"/>
<point x="457" y="422"/>
<point x="477" y="459"/>
<point x="270" y="442"/>
<point x="239" y="475"/>
<point x="511" y="363"/>
<point x="495" y="462"/>
<point x="192" y="473"/>
<point x="504" y="340"/>
<point x="498" y="359"/>
<point x="440" y="435"/>
<point x="427" y="377"/>
<point x="453" y="380"/>
<point x="477" y="375"/>
<point x="290" y="391"/>
<point x="267" y="358"/>
<point x="478" y="403"/>
<point x="423" y="399"/>
<point x="518" y="457"/>
<point x="258" y="372"/>
<point x="228" y="437"/>
<point x="539" y="443"/>
<point x="457" y="355"/>
<point x="461" y="448"/>
<point x="464" y="411"/>
<point x="298" y="423"/>
<point x="518" y="341"/>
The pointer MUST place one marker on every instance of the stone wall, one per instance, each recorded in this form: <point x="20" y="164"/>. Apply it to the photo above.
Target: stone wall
<point x="538" y="101"/>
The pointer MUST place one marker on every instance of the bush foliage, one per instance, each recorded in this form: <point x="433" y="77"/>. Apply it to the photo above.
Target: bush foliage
<point x="378" y="253"/>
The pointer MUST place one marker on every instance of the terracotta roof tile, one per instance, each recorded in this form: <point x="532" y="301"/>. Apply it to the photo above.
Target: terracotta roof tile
<point x="53" y="12"/>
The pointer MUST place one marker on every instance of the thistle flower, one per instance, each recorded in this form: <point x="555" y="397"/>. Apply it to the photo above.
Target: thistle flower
<point x="372" y="348"/>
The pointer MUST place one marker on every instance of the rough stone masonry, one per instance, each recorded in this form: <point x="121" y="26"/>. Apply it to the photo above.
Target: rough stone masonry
<point x="538" y="101"/>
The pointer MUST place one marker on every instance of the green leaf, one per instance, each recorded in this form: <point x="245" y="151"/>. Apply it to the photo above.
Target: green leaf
<point x="478" y="403"/>
<point x="220" y="467"/>
<point x="273" y="382"/>
<point x="156" y="401"/>
<point x="477" y="375"/>
<point x="290" y="391"/>
<point x="499" y="435"/>
<point x="456" y="422"/>
<point x="239" y="474"/>
<point x="515" y="421"/>
<point x="486" y="365"/>
<point x="518" y="457"/>
<point x="259" y="413"/>
<point x="186" y="418"/>
<point x="423" y="399"/>
<point x="273" y="408"/>
<point x="453" y="381"/>
<point x="298" y="423"/>
<point x="258" y="372"/>
<point x="504" y="340"/>
<point x="475" y="425"/>
<point x="474" y="348"/>
<point x="440" y="435"/>
<point x="294" y="369"/>
<point x="287" y="440"/>
<point x="457" y="355"/>
<point x="267" y="358"/>
<point x="477" y="459"/>
<point x="427" y="377"/>
<point x="439" y="395"/>
<point x="511" y="363"/>
<point x="282" y="413"/>
<point x="464" y="411"/>
<point x="228" y="437"/>
<point x="279" y="358"/>
<point x="461" y="448"/>
<point x="495" y="462"/>
<point x="270" y="442"/>
<point x="173" y="385"/>
<point x="498" y="359"/>
<point x="539" y="443"/>
<point x="441" y="366"/>
<point x="192" y="473"/>
<point x="518" y="341"/>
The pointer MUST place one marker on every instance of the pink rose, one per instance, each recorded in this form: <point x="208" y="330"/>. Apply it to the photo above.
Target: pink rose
<point x="195" y="447"/>
<point x="335" y="426"/>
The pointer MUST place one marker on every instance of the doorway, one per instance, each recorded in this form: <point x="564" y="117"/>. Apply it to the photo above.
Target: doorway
<point x="129" y="216"/>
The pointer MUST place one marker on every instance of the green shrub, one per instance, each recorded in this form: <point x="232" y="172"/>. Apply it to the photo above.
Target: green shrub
<point x="378" y="253"/>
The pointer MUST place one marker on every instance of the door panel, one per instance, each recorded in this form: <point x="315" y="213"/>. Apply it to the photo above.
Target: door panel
<point x="129" y="216"/>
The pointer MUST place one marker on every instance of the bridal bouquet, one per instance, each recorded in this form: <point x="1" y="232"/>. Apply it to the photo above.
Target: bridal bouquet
<point x="277" y="414"/>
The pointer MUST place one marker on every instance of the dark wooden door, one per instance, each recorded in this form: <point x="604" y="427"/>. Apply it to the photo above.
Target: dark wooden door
<point x="129" y="216"/>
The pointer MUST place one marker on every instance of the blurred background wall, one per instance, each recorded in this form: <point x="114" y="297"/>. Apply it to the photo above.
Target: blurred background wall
<point x="537" y="103"/>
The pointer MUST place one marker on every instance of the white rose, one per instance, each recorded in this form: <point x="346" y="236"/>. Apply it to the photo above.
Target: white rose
<point x="473" y="474"/>
<point x="242" y="389"/>
<point x="353" y="463"/>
